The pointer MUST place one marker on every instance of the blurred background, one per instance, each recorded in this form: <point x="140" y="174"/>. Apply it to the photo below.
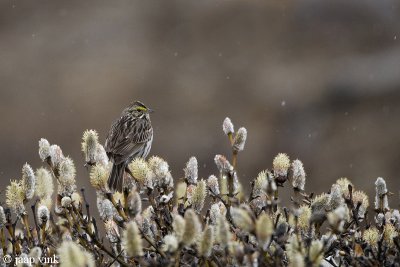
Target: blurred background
<point x="319" y="80"/>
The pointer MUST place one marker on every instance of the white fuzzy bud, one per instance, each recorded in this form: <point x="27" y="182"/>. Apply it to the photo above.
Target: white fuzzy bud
<point x="170" y="243"/>
<point x="28" y="181"/>
<point x="260" y="184"/>
<point x="381" y="199"/>
<point x="44" y="149"/>
<point x="336" y="197"/>
<point x="44" y="183"/>
<point x="132" y="241"/>
<point x="298" y="175"/>
<point x="338" y="217"/>
<point x="240" y="139"/>
<point x="242" y="219"/>
<point x="191" y="171"/>
<point x="199" y="196"/>
<point x="71" y="254"/>
<point x="223" y="164"/>
<point x="227" y="126"/>
<point x="206" y="241"/>
<point x="179" y="225"/>
<point x="3" y="220"/>
<point x="134" y="204"/>
<point x="56" y="154"/>
<point x="66" y="202"/>
<point x="90" y="141"/>
<point x="106" y="208"/>
<point x="43" y="215"/>
<point x="192" y="227"/>
<point x="281" y="164"/>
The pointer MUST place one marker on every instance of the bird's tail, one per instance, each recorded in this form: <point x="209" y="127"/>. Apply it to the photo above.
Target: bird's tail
<point x="116" y="178"/>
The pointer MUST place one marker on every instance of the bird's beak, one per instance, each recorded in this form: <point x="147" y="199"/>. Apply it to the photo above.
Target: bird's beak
<point x="149" y="110"/>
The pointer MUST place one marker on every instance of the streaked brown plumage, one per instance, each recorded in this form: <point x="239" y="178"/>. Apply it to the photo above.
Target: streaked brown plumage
<point x="130" y="136"/>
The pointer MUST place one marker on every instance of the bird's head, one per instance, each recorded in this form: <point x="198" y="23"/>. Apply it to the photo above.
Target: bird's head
<point x="138" y="109"/>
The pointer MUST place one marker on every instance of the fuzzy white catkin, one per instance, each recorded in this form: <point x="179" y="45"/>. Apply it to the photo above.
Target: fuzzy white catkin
<point x="336" y="198"/>
<point x="206" y="241"/>
<point x="395" y="218"/>
<point x="101" y="155"/>
<point x="2" y="217"/>
<point x="191" y="171"/>
<point x="28" y="181"/>
<point x="160" y="168"/>
<point x="73" y="255"/>
<point x="299" y="175"/>
<point x="89" y="145"/>
<point x="223" y="235"/>
<point x="99" y="176"/>
<point x="43" y="215"/>
<point x="66" y="168"/>
<point x="134" y="204"/>
<point x="192" y="227"/>
<point x="264" y="229"/>
<point x="170" y="243"/>
<point x="141" y="172"/>
<point x="56" y="154"/>
<point x="212" y="183"/>
<point x="44" y="183"/>
<point x="112" y="231"/>
<point x="15" y="197"/>
<point x="178" y="224"/>
<point x="76" y="200"/>
<point x="242" y="219"/>
<point x="338" y="217"/>
<point x="227" y="126"/>
<point x="260" y="184"/>
<point x="44" y="149"/>
<point x="380" y="186"/>
<point x="132" y="241"/>
<point x="215" y="212"/>
<point x="381" y="200"/>
<point x="316" y="253"/>
<point x="223" y="164"/>
<point x="240" y="139"/>
<point x="199" y="196"/>
<point x="281" y="164"/>
<point x="106" y="208"/>
<point x="379" y="219"/>
<point x="66" y="202"/>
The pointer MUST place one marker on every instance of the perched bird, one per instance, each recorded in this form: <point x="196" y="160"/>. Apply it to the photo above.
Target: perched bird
<point x="130" y="136"/>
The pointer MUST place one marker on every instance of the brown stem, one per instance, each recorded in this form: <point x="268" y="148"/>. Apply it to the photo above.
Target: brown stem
<point x="230" y="136"/>
<point x="35" y="219"/>
<point x="234" y="159"/>
<point x="26" y="225"/>
<point x="3" y="241"/>
<point x="101" y="246"/>
<point x="15" y="243"/>
<point x="177" y="257"/>
<point x="117" y="206"/>
<point x="152" y="244"/>
<point x="43" y="232"/>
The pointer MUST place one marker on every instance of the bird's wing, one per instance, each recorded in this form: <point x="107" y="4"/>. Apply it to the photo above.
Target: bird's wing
<point x="127" y="138"/>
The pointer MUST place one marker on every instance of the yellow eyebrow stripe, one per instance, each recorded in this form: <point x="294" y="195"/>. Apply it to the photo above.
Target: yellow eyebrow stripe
<point x="141" y="108"/>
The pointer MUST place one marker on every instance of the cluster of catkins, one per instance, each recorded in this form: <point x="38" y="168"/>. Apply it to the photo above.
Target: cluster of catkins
<point x="196" y="222"/>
